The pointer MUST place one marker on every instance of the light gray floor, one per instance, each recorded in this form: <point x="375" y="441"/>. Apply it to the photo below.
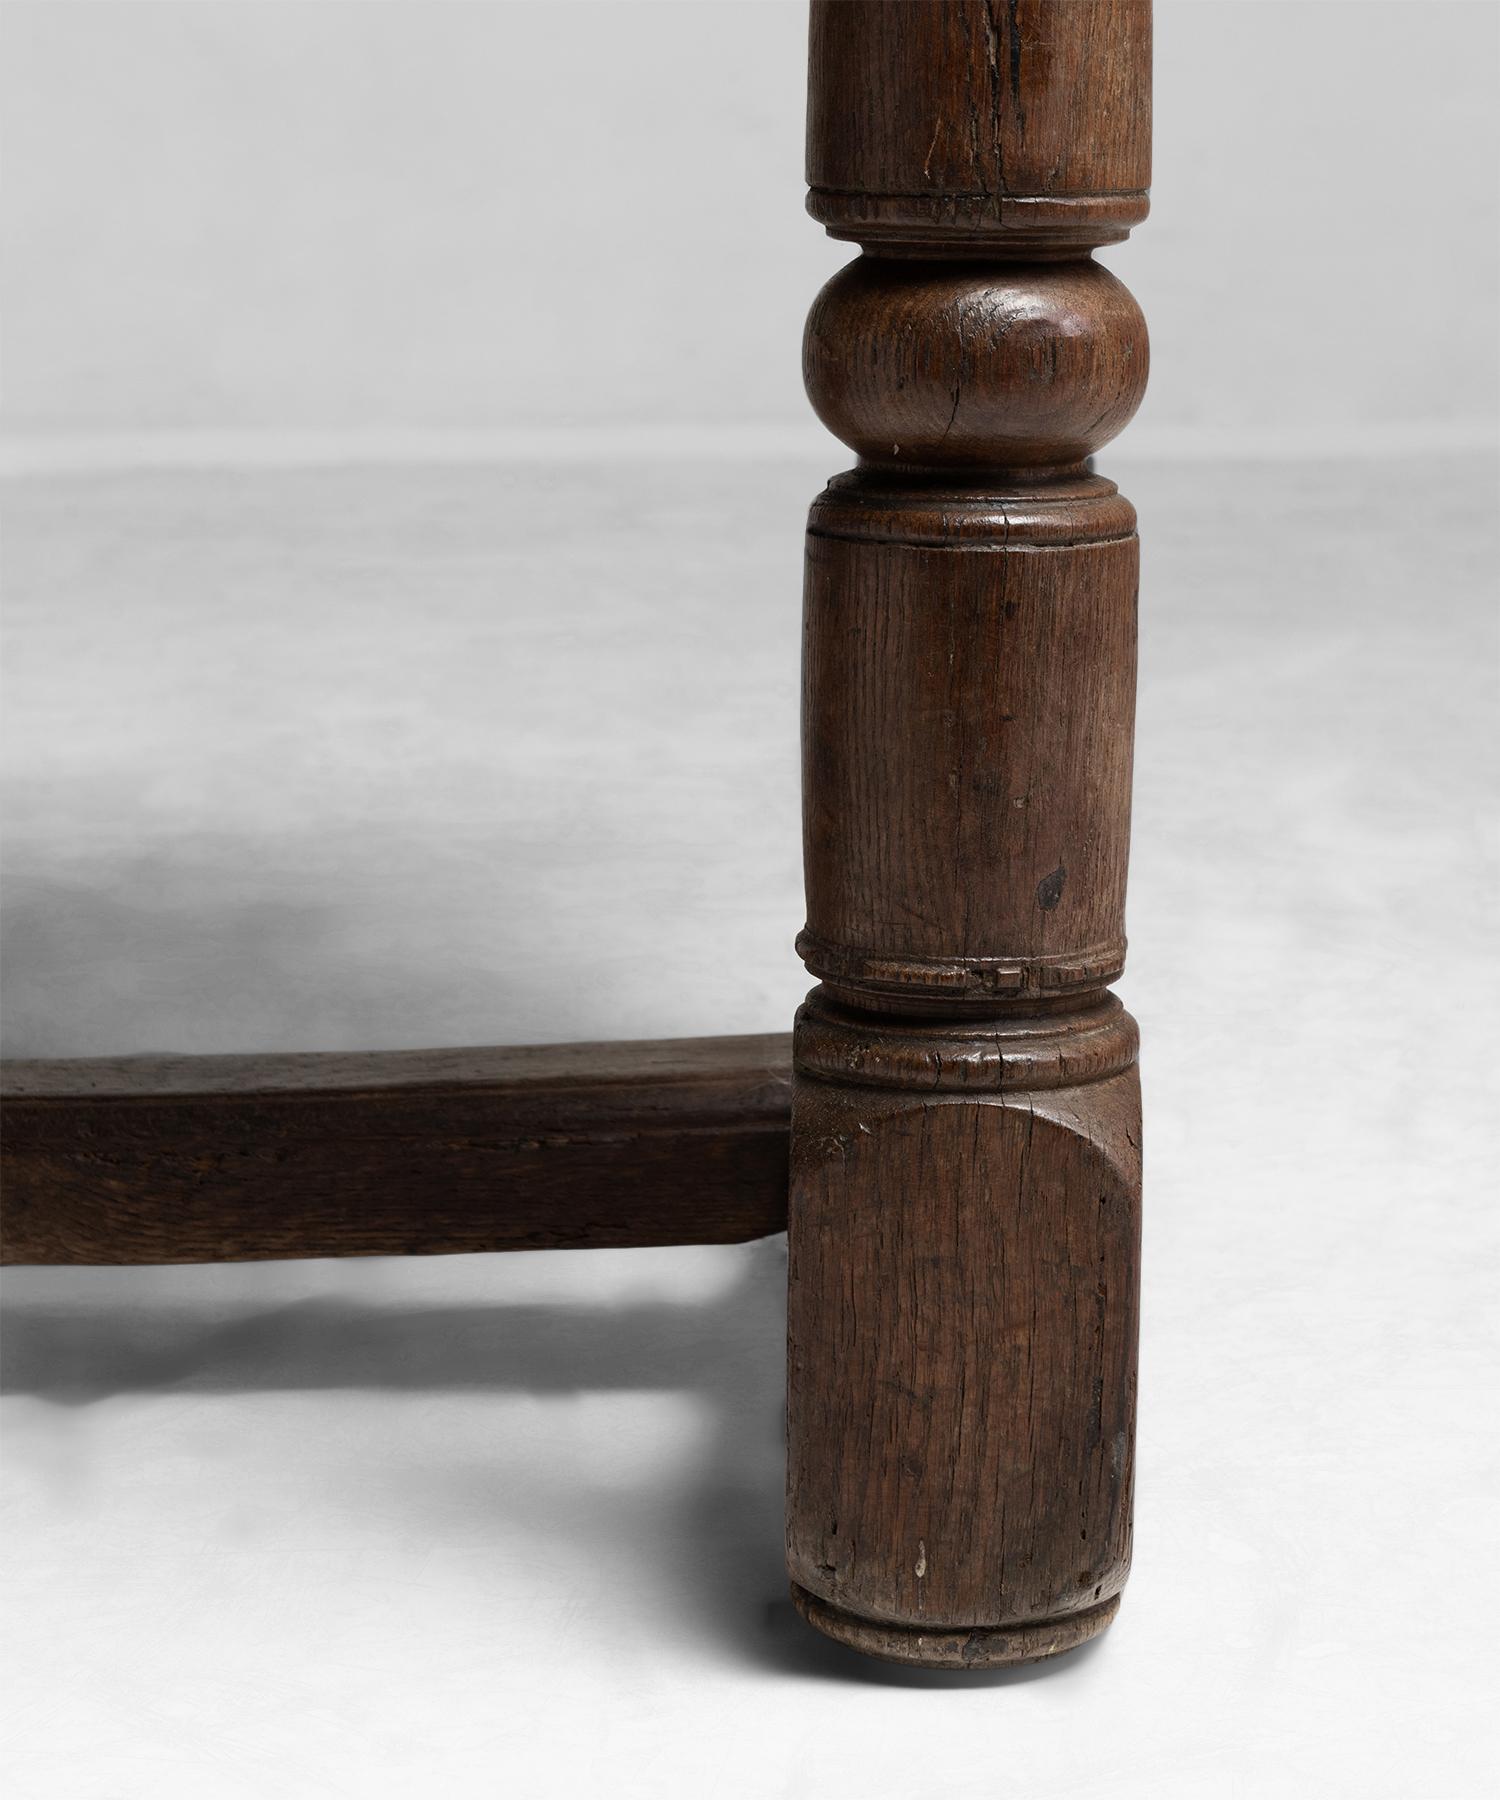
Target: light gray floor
<point x="383" y="757"/>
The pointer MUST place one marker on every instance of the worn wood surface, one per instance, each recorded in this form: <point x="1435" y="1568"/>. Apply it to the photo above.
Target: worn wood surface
<point x="939" y="365"/>
<point x="955" y="838"/>
<point x="221" y="1159"/>
<point x="980" y="126"/>
<point x="964" y="1214"/>
<point x="962" y="1358"/>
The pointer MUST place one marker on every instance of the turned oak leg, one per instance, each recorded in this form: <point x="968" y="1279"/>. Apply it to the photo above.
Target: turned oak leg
<point x="964" y="1210"/>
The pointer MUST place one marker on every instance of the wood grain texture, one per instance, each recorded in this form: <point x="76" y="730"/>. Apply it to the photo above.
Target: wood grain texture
<point x="953" y="366"/>
<point x="980" y="126"/>
<point x="964" y="1218"/>
<point x="968" y="1268"/>
<point x="968" y="713"/>
<point x="231" y="1159"/>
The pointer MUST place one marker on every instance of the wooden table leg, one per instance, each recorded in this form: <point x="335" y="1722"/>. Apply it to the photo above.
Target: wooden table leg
<point x="964" y="1214"/>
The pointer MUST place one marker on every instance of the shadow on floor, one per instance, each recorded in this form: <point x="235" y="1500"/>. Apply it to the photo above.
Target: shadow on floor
<point x="715" y="1540"/>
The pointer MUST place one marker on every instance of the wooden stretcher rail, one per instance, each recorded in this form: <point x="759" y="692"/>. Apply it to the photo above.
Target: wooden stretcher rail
<point x="176" y="1159"/>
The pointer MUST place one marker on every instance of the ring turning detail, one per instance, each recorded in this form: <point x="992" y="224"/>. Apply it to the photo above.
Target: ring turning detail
<point x="964" y="1217"/>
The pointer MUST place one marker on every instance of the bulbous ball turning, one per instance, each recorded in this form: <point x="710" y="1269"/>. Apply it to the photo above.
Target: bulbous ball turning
<point x="1000" y="366"/>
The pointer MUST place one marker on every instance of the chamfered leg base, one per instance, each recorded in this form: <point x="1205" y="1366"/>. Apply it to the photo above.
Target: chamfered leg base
<point x="977" y="1647"/>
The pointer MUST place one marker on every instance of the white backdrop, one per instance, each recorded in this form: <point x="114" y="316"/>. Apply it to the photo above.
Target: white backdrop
<point x="236" y="213"/>
<point x="496" y="739"/>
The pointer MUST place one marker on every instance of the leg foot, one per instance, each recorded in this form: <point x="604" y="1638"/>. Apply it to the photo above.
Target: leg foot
<point x="978" y="1647"/>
